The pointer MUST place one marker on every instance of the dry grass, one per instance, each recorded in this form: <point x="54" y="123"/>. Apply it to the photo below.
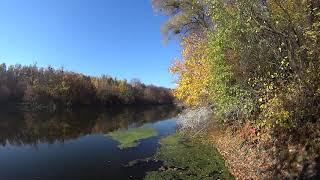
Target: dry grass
<point x="244" y="157"/>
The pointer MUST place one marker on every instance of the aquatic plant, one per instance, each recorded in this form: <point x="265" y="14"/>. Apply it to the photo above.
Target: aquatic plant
<point x="130" y="138"/>
<point x="185" y="158"/>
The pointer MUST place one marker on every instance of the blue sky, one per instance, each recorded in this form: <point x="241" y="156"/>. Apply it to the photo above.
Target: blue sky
<point x="120" y="38"/>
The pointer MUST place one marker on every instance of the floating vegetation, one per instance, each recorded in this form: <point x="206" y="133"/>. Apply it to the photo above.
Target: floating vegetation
<point x="188" y="159"/>
<point x="139" y="161"/>
<point x="130" y="138"/>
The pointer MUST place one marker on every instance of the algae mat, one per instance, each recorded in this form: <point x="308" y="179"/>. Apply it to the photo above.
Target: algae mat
<point x="185" y="158"/>
<point x="130" y="138"/>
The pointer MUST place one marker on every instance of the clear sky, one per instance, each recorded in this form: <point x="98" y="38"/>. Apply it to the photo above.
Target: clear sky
<point x="120" y="38"/>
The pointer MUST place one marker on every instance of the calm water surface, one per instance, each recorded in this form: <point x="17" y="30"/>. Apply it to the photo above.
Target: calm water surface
<point x="74" y="145"/>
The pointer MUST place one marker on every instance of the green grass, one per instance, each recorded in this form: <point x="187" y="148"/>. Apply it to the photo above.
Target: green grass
<point x="185" y="158"/>
<point x="130" y="138"/>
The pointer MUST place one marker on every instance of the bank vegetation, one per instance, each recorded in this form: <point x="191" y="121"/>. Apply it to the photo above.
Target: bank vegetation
<point x="255" y="65"/>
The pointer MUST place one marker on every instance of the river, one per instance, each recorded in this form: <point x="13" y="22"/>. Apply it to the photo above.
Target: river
<point x="76" y="145"/>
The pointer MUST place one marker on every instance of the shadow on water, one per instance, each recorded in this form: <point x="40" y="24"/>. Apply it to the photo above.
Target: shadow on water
<point x="73" y="144"/>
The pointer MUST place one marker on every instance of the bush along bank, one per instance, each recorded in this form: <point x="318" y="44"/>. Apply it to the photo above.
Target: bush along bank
<point x="256" y="64"/>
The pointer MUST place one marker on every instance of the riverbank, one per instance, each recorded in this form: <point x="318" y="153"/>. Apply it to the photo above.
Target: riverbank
<point x="244" y="158"/>
<point x="268" y="154"/>
<point x="252" y="153"/>
<point x="251" y="68"/>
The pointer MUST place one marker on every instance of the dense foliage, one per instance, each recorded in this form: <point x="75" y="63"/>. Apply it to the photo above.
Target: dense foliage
<point x="257" y="63"/>
<point x="47" y="88"/>
<point x="193" y="70"/>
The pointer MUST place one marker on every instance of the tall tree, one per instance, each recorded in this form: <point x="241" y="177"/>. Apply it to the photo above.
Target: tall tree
<point x="185" y="16"/>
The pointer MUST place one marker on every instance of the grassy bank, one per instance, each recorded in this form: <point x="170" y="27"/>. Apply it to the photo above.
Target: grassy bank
<point x="186" y="158"/>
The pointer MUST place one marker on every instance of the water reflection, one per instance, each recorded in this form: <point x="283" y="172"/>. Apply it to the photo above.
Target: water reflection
<point x="27" y="128"/>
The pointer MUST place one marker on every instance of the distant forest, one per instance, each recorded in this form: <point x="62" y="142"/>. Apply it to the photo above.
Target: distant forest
<point x="38" y="88"/>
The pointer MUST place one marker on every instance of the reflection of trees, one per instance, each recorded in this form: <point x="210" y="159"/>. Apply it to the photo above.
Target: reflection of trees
<point x="111" y="120"/>
<point x="32" y="128"/>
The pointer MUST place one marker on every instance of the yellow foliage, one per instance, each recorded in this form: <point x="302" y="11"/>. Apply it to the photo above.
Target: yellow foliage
<point x="193" y="71"/>
<point x="288" y="11"/>
<point x="274" y="114"/>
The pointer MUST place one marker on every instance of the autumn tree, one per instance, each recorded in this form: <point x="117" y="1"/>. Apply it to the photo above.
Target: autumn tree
<point x="261" y="67"/>
<point x="193" y="71"/>
<point x="49" y="88"/>
<point x="186" y="16"/>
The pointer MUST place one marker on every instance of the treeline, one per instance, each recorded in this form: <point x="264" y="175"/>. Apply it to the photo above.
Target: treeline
<point x="256" y="62"/>
<point x="49" y="88"/>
